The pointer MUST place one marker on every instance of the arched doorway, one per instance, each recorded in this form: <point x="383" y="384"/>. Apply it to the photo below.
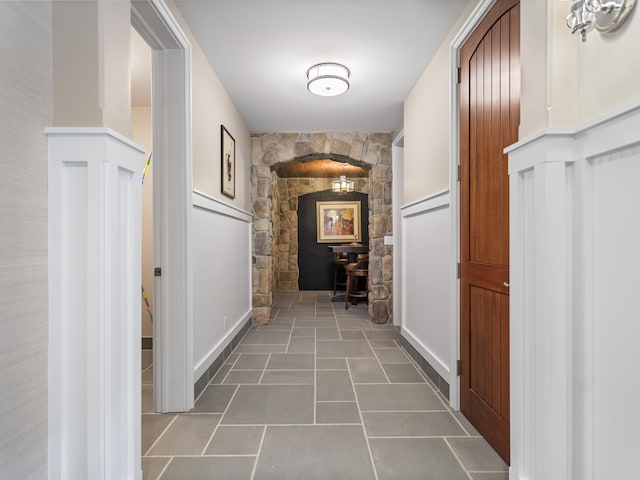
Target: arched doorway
<point x="369" y="150"/>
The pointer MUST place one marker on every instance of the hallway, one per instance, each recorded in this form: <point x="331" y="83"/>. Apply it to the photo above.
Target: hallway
<point x="320" y="393"/>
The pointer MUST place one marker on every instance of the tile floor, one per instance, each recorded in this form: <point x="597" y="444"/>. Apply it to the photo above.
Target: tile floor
<point x="320" y="393"/>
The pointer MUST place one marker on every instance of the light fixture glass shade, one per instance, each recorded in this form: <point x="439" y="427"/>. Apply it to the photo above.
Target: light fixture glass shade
<point x="328" y="79"/>
<point x="342" y="185"/>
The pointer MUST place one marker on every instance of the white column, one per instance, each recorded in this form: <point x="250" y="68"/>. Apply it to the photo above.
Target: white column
<point x="94" y="304"/>
<point x="574" y="309"/>
<point x="541" y="343"/>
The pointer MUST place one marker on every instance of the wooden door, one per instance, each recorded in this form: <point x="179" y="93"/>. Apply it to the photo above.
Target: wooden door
<point x="489" y="119"/>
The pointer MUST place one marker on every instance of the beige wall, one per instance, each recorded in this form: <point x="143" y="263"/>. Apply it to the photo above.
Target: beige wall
<point x="211" y="108"/>
<point x="567" y="82"/>
<point x="426" y="124"/>
<point x="91" y="65"/>
<point x="142" y="134"/>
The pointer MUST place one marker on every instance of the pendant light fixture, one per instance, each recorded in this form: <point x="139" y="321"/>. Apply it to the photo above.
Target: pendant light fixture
<point x="342" y="185"/>
<point x="328" y="79"/>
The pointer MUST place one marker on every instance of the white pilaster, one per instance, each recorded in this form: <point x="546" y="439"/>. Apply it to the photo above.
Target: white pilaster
<point x="574" y="311"/>
<point x="94" y="300"/>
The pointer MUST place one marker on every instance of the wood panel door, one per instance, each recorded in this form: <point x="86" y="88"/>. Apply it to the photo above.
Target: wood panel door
<point x="489" y="119"/>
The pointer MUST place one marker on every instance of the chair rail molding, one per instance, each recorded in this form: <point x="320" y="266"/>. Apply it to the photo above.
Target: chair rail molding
<point x="574" y="263"/>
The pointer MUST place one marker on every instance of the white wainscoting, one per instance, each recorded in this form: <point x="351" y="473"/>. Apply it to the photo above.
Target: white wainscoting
<point x="222" y="277"/>
<point x="426" y="270"/>
<point x="94" y="300"/>
<point x="575" y="314"/>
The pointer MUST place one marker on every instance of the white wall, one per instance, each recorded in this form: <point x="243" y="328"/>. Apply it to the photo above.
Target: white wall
<point x="222" y="281"/>
<point x="26" y="108"/>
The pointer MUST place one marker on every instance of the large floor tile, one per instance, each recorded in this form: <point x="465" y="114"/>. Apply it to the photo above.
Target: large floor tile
<point x="152" y="426"/>
<point x="242" y="377"/>
<point x="327" y="334"/>
<point x="242" y="348"/>
<point x="337" y="412"/>
<point x="291" y="361"/>
<point x="152" y="467"/>
<point x="302" y="345"/>
<point x="265" y="337"/>
<point x="397" y="398"/>
<point x="331" y="364"/>
<point x="366" y="370"/>
<point x="201" y="468"/>
<point x="343" y="349"/>
<point x="410" y="424"/>
<point x="147" y="398"/>
<point x="391" y="355"/>
<point x="383" y="334"/>
<point x="477" y="455"/>
<point x="351" y="335"/>
<point x="415" y="459"/>
<point x="288" y="377"/>
<point x="271" y="404"/>
<point x="236" y="441"/>
<point x="303" y="332"/>
<point x="314" y="453"/>
<point x="334" y="386"/>
<point x="402" y="373"/>
<point x="248" y="361"/>
<point x="214" y="399"/>
<point x="187" y="435"/>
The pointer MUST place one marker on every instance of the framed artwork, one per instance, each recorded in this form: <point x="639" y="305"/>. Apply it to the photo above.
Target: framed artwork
<point x="338" y="222"/>
<point x="228" y="160"/>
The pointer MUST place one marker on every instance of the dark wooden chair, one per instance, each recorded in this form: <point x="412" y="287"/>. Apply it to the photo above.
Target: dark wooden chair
<point x="340" y="260"/>
<point x="356" y="271"/>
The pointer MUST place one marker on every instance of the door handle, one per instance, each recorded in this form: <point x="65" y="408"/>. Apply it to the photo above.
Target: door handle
<point x="506" y="284"/>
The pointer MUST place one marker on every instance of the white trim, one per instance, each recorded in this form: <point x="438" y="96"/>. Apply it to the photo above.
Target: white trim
<point x="397" y="189"/>
<point x="218" y="348"/>
<point x="435" y="362"/>
<point x="216" y="205"/>
<point x="431" y="202"/>
<point x="173" y="301"/>
<point x="469" y="26"/>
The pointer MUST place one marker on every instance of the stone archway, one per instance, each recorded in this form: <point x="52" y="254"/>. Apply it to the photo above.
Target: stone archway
<point x="371" y="150"/>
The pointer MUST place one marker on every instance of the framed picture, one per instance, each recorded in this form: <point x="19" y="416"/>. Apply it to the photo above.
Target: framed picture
<point x="338" y="222"/>
<point x="228" y="160"/>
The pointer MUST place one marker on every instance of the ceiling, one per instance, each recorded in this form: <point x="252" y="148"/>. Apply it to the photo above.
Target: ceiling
<point x="261" y="50"/>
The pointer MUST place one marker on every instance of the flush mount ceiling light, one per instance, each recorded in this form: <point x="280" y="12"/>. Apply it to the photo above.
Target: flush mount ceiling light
<point x="328" y="79"/>
<point x="605" y="16"/>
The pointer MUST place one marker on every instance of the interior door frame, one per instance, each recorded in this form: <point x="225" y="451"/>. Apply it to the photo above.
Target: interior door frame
<point x="465" y="31"/>
<point x="172" y="204"/>
<point x="397" y="192"/>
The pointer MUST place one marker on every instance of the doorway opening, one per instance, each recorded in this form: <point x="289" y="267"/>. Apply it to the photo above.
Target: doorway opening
<point x="173" y="385"/>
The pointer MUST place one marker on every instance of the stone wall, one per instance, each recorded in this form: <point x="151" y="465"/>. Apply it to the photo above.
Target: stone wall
<point x="287" y="270"/>
<point x="369" y="150"/>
